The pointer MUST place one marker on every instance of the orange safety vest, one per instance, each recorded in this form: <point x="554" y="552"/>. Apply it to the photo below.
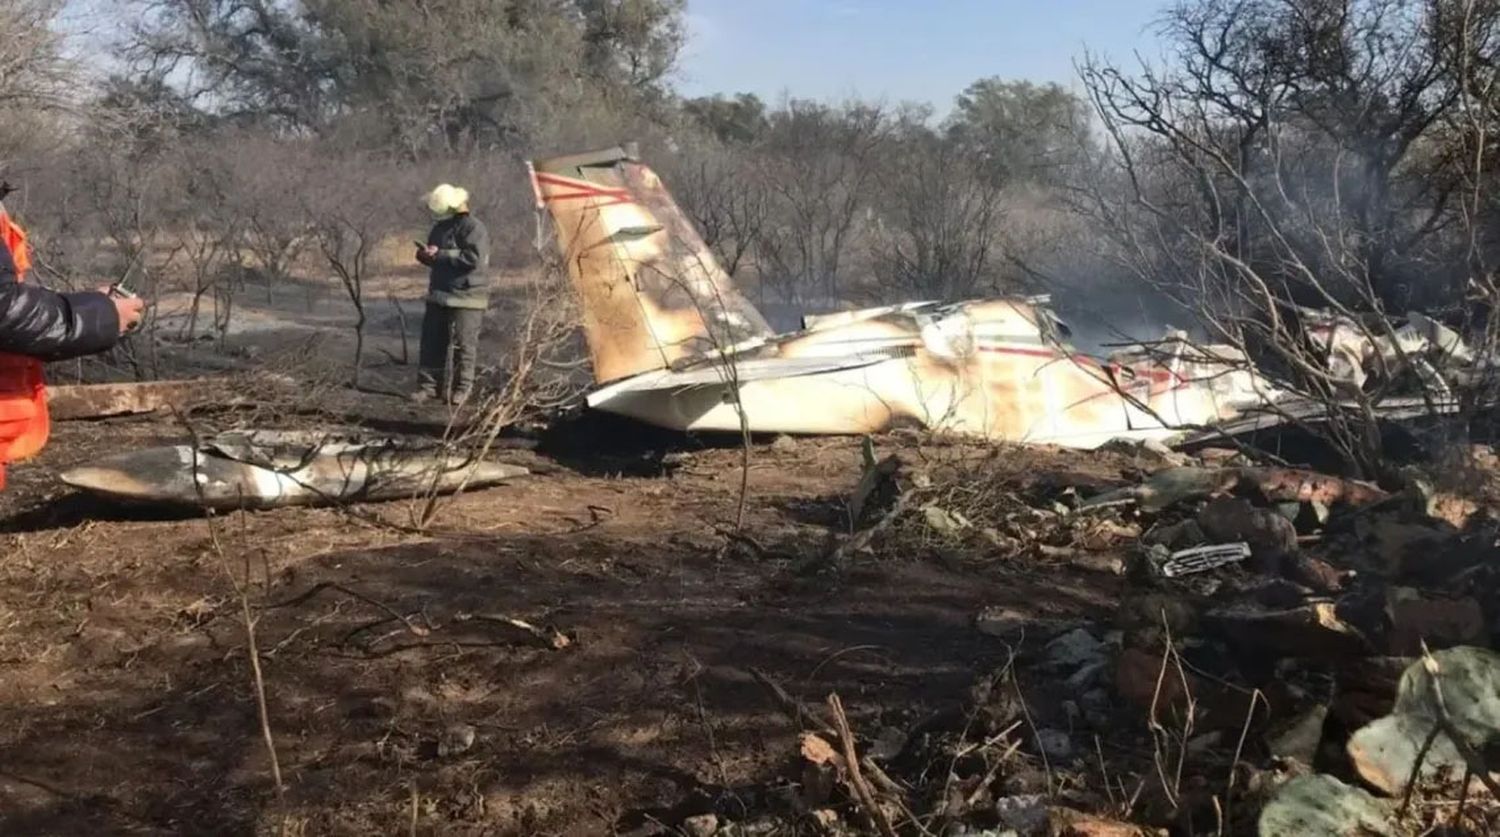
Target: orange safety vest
<point x="23" y="392"/>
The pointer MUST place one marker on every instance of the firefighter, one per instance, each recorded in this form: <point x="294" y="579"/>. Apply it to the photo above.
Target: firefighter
<point x="457" y="254"/>
<point x="38" y="325"/>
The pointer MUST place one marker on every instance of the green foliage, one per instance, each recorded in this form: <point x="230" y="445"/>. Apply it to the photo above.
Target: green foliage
<point x="407" y="75"/>
<point x="737" y="119"/>
<point x="1020" y="130"/>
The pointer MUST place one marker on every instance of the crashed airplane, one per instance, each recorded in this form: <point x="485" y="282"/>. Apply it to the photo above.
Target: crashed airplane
<point x="265" y="469"/>
<point x="671" y="341"/>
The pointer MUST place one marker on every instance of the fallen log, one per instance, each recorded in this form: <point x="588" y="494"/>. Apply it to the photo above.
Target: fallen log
<point x="95" y="401"/>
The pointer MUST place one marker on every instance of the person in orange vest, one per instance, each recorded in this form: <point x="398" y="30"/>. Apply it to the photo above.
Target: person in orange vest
<point x="37" y="325"/>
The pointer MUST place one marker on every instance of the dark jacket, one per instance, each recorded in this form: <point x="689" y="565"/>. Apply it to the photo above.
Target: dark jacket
<point x="458" y="277"/>
<point x="48" y="325"/>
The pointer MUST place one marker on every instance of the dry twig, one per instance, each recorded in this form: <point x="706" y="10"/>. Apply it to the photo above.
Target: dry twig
<point x="856" y="777"/>
<point x="549" y="637"/>
<point x="413" y="628"/>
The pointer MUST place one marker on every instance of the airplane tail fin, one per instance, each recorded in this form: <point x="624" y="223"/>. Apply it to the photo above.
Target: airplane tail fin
<point x="652" y="292"/>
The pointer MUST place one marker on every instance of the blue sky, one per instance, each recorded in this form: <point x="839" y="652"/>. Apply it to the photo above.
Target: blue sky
<point x="901" y="50"/>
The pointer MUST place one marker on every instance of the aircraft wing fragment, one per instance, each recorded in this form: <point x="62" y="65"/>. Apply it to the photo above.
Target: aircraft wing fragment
<point x="742" y="371"/>
<point x="1310" y="411"/>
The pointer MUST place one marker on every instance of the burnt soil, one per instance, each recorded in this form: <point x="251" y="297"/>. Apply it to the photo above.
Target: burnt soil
<point x="126" y="696"/>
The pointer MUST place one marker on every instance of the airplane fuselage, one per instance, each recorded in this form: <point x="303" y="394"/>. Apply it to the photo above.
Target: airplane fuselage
<point x="986" y="368"/>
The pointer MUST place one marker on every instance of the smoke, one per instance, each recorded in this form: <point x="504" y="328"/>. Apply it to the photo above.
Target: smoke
<point x="1103" y="317"/>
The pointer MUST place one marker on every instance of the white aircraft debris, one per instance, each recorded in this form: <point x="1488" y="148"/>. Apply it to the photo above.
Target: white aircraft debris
<point x="265" y="469"/>
<point x="674" y="344"/>
<point x="672" y="340"/>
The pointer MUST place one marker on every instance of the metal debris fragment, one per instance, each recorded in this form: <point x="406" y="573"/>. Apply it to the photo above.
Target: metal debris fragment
<point x="1200" y="559"/>
<point x="265" y="469"/>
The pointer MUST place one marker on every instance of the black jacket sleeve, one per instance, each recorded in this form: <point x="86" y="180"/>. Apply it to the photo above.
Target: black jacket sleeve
<point x="48" y="325"/>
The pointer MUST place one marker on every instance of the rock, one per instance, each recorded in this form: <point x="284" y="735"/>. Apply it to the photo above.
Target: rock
<point x="1230" y="519"/>
<point x="1365" y="689"/>
<point x="1072" y="712"/>
<point x="1153" y="609"/>
<point x="1317" y="805"/>
<point x="1364" y="607"/>
<point x="1006" y="622"/>
<point x="703" y="825"/>
<point x="1161" y="452"/>
<point x="1397" y="546"/>
<point x="1219" y="457"/>
<point x="1442" y="623"/>
<point x="1482" y="457"/>
<point x="1159" y="449"/>
<point x="1179" y="535"/>
<point x="1448" y="560"/>
<point x="1147" y="450"/>
<point x="888" y="744"/>
<point x="1291" y="511"/>
<point x="1096" y="700"/>
<point x="1137" y="675"/>
<point x="1280" y="594"/>
<point x="1055" y="744"/>
<point x="946" y="523"/>
<point x="1025" y="814"/>
<point x="1300" y="739"/>
<point x="999" y="621"/>
<point x="1441" y="506"/>
<point x="1140" y="680"/>
<point x="1384" y="751"/>
<point x="1316" y="574"/>
<point x="1065" y="822"/>
<point x="1086" y="677"/>
<point x="1097" y="562"/>
<point x="825" y="820"/>
<point x="1074" y="649"/>
<point x="784" y="444"/>
<point x="1005" y="545"/>
<point x="1312" y="630"/>
<point x="1107" y="534"/>
<point x="767" y="826"/>
<point x="456" y="739"/>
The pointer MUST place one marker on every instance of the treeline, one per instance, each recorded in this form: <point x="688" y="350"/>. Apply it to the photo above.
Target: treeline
<point x="259" y="136"/>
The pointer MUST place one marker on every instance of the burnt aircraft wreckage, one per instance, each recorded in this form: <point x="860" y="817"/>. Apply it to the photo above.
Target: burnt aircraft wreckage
<point x="671" y="340"/>
<point x="264" y="469"/>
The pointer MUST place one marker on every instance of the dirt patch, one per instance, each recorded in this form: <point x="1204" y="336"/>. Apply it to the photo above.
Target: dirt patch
<point x="126" y="703"/>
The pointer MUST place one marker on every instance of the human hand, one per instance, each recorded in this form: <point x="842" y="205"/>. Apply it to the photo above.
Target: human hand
<point x="129" y="310"/>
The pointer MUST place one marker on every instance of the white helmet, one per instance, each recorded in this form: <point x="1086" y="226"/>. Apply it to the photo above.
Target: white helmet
<point x="446" y="199"/>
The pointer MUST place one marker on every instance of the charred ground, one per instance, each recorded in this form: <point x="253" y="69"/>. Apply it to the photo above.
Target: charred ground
<point x="991" y="648"/>
<point x="997" y="652"/>
<point x="128" y="705"/>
